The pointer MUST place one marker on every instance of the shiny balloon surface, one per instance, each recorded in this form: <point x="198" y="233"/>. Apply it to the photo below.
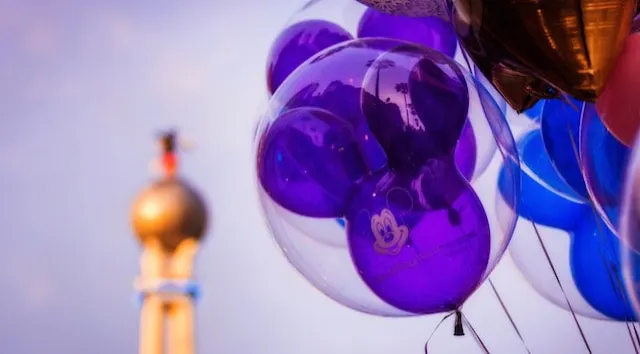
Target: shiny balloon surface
<point x="348" y="107"/>
<point x="531" y="51"/>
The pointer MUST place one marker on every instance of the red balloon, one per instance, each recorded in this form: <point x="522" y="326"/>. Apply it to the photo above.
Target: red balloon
<point x="619" y="103"/>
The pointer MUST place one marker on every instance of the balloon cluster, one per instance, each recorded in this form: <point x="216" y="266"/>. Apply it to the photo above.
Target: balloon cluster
<point x="368" y="130"/>
<point x="377" y="125"/>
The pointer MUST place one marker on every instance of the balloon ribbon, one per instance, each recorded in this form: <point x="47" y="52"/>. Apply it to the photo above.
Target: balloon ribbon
<point x="564" y="294"/>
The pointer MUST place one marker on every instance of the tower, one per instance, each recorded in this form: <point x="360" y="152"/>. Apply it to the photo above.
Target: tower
<point x="169" y="218"/>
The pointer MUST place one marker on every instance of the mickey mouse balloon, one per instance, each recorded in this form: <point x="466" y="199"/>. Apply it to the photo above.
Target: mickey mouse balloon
<point x="367" y="131"/>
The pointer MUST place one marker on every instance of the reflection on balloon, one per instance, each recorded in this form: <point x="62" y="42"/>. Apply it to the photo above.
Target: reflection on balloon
<point x="542" y="187"/>
<point x="288" y="163"/>
<point x="386" y="121"/>
<point x="560" y="132"/>
<point x="594" y="250"/>
<point x="604" y="161"/>
<point x="298" y="43"/>
<point x="433" y="32"/>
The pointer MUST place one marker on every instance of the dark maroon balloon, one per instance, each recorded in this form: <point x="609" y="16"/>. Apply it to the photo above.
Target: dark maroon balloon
<point x="433" y="32"/>
<point x="296" y="44"/>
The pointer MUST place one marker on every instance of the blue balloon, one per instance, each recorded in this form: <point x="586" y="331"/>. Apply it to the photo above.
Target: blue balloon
<point x="595" y="251"/>
<point x="604" y="160"/>
<point x="560" y="132"/>
<point x="596" y="268"/>
<point x="535" y="113"/>
<point x="544" y="197"/>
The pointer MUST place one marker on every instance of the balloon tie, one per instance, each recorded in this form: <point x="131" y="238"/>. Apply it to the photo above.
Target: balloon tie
<point x="614" y="277"/>
<point x="506" y="311"/>
<point x="458" y="329"/>
<point x="564" y="294"/>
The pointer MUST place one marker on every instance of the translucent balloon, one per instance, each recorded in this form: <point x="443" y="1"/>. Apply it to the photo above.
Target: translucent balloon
<point x="367" y="130"/>
<point x="319" y="24"/>
<point x="630" y="229"/>
<point x="430" y="30"/>
<point x="604" y="162"/>
<point x="589" y="264"/>
<point x="560" y="131"/>
<point x="524" y="120"/>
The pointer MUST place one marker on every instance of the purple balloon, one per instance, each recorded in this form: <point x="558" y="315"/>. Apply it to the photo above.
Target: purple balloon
<point x="466" y="152"/>
<point x="433" y="32"/>
<point x="418" y="233"/>
<point x="309" y="161"/>
<point x="421" y="243"/>
<point x="333" y="81"/>
<point x="296" y="44"/>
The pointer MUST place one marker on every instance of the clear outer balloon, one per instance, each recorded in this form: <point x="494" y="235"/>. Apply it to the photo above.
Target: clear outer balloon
<point x="349" y="14"/>
<point x="604" y="162"/>
<point x="298" y="43"/>
<point x="583" y="251"/>
<point x="618" y="105"/>
<point x="377" y="86"/>
<point x="471" y="156"/>
<point x="630" y="229"/>
<point x="433" y="32"/>
<point x="560" y="132"/>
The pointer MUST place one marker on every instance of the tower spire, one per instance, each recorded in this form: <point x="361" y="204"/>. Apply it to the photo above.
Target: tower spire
<point x="169" y="218"/>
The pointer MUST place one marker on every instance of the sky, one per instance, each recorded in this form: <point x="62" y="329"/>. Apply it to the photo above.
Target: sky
<point x="84" y="87"/>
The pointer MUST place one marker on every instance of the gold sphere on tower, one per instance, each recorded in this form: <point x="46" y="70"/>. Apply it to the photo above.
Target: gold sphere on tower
<point x="169" y="212"/>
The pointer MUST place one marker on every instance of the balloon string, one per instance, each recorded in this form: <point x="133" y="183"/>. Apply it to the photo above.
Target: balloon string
<point x="613" y="276"/>
<point x="506" y="311"/>
<point x="564" y="294"/>
<point x="426" y="345"/>
<point x="475" y="334"/>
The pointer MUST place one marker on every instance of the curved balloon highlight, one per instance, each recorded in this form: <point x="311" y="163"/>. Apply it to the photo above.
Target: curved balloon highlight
<point x="560" y="127"/>
<point x="604" y="161"/>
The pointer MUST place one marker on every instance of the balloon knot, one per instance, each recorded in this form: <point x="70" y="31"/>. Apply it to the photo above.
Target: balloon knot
<point x="458" y="329"/>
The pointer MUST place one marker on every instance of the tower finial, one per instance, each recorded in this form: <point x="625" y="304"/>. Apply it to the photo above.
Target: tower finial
<point x="169" y="146"/>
